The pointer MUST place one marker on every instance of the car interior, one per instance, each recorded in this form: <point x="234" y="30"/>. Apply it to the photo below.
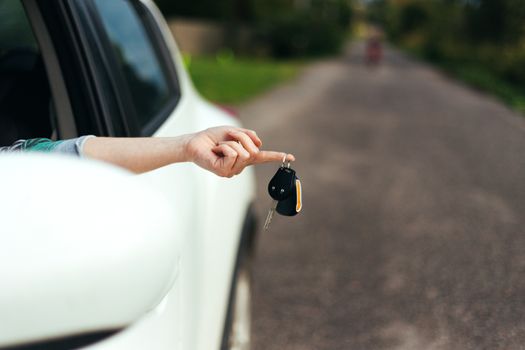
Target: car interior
<point x="26" y="107"/>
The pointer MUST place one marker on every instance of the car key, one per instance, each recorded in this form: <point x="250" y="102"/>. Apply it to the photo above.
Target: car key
<point x="270" y="215"/>
<point x="292" y="205"/>
<point x="280" y="187"/>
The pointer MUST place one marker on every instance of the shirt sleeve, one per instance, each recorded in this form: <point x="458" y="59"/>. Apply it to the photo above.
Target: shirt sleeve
<point x="72" y="146"/>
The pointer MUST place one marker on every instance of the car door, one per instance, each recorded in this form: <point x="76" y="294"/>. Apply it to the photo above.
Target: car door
<point x="215" y="207"/>
<point x="132" y="75"/>
<point x="92" y="91"/>
<point x="50" y="90"/>
<point x="140" y="43"/>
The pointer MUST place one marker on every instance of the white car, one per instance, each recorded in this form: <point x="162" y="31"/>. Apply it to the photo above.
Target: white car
<point x="91" y="256"/>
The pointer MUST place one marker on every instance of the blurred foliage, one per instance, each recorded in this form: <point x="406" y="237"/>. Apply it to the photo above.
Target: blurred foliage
<point x="282" y="28"/>
<point x="307" y="28"/>
<point x="484" y="79"/>
<point x="207" y="9"/>
<point x="482" y="41"/>
<point x="231" y="80"/>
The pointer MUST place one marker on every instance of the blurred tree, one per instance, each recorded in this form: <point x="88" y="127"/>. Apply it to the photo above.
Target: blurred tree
<point x="496" y="20"/>
<point x="285" y="27"/>
<point x="413" y="17"/>
<point x="477" y="33"/>
<point x="197" y="8"/>
<point x="232" y="14"/>
<point x="302" y="27"/>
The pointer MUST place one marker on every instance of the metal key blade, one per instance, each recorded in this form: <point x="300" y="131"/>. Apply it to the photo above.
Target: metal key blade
<point x="270" y="215"/>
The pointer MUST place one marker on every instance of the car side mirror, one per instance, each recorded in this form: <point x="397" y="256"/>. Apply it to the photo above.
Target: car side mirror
<point x="84" y="247"/>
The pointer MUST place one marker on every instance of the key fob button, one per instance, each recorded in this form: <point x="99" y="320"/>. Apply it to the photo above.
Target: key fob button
<point x="281" y="184"/>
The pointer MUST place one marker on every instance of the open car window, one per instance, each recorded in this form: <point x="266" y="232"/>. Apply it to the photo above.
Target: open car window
<point x="139" y="60"/>
<point x="26" y="109"/>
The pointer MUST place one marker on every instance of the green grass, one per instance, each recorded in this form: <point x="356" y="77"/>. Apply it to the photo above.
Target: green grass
<point x="481" y="78"/>
<point x="230" y="80"/>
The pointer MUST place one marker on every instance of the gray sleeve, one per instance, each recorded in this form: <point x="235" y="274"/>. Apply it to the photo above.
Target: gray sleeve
<point x="73" y="146"/>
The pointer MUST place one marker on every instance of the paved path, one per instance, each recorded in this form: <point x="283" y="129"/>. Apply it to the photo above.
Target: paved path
<point x="413" y="229"/>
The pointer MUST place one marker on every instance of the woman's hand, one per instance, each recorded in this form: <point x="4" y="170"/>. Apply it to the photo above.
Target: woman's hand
<point x="226" y="151"/>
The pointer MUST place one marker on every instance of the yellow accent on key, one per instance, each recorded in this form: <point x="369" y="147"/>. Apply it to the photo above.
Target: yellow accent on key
<point x="299" y="204"/>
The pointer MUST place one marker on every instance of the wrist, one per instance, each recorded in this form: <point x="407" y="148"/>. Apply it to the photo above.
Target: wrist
<point x="187" y="154"/>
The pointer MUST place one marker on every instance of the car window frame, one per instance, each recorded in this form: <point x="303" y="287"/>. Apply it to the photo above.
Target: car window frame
<point x="161" y="51"/>
<point x="87" y="90"/>
<point x="82" y="71"/>
<point x="65" y="123"/>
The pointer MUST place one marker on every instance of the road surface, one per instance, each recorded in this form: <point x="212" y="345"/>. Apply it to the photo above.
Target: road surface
<point x="412" y="234"/>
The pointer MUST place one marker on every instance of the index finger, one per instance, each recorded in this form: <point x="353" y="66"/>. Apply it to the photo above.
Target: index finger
<point x="272" y="156"/>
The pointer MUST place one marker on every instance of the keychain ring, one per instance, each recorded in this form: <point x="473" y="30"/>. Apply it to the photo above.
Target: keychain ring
<point x="284" y="161"/>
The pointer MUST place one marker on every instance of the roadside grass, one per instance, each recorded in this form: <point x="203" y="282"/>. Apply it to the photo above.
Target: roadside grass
<point x="481" y="78"/>
<point x="227" y="79"/>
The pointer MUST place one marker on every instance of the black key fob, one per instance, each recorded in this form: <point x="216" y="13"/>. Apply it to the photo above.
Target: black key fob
<point x="282" y="183"/>
<point x="292" y="205"/>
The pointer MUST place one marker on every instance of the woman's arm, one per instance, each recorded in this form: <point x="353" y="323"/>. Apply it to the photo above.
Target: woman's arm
<point x="72" y="146"/>
<point x="225" y="151"/>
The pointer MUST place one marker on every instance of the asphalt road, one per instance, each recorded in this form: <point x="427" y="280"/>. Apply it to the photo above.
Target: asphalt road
<point x="412" y="234"/>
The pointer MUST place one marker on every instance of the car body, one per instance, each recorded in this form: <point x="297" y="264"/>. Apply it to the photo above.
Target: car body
<point x="112" y="68"/>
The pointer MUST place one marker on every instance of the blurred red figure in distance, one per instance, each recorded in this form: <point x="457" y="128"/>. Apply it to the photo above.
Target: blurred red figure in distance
<point x="374" y="51"/>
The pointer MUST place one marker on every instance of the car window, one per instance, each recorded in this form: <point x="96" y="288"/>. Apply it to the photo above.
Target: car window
<point x="15" y="30"/>
<point x="138" y="60"/>
<point x="25" y="97"/>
